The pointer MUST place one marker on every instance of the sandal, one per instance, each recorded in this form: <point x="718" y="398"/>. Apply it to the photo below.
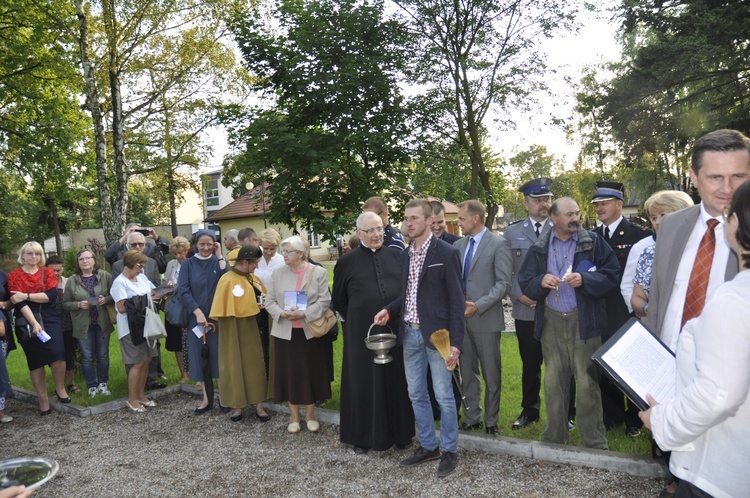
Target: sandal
<point x="72" y="388"/>
<point x="138" y="409"/>
<point x="150" y="403"/>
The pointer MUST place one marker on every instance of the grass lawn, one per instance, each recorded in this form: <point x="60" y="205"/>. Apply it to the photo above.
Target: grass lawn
<point x="510" y="402"/>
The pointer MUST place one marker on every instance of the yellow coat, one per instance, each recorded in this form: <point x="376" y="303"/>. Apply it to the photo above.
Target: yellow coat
<point x="235" y="297"/>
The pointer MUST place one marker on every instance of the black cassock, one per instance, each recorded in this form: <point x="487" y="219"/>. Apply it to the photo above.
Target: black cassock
<point x="375" y="408"/>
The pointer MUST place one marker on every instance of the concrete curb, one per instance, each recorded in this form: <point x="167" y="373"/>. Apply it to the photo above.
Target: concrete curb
<point x="555" y="453"/>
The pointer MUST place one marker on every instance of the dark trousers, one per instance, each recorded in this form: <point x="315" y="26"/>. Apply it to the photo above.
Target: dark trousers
<point x="531" y="371"/>
<point x="530" y="351"/>
<point x="615" y="406"/>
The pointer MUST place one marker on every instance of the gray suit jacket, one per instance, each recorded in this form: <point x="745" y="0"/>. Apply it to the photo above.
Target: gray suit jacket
<point x="489" y="281"/>
<point x="673" y="235"/>
<point x="521" y="236"/>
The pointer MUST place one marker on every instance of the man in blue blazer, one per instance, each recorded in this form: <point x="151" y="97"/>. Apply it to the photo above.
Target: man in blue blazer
<point x="432" y="298"/>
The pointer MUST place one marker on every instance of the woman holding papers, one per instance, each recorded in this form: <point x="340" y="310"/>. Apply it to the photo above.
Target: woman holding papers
<point x="298" y="292"/>
<point x="707" y="424"/>
<point x="196" y="285"/>
<point x="33" y="292"/>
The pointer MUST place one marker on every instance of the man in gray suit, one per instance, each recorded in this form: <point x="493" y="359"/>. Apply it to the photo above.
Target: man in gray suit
<point x="521" y="235"/>
<point x="487" y="266"/>
<point x="720" y="163"/>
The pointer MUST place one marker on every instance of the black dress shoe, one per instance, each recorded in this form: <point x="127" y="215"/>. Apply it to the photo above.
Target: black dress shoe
<point x="361" y="450"/>
<point x="62" y="400"/>
<point x="448" y="463"/>
<point x="403" y="446"/>
<point x="420" y="455"/>
<point x="632" y="432"/>
<point x="492" y="431"/>
<point x="48" y="411"/>
<point x="236" y="418"/>
<point x="523" y="421"/>
<point x="224" y="409"/>
<point x="263" y="418"/>
<point x="155" y="385"/>
<point x="470" y="427"/>
<point x="201" y="411"/>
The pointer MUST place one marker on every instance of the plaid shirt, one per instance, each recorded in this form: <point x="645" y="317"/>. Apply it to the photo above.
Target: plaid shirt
<point x="416" y="260"/>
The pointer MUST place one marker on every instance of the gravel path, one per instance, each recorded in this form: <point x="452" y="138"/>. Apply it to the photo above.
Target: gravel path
<point x="170" y="452"/>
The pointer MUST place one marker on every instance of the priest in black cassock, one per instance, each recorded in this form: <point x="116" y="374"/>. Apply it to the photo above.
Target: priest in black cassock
<point x="376" y="412"/>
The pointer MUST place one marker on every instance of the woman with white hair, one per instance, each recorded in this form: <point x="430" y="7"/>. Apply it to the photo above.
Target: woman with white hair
<point x="33" y="291"/>
<point x="299" y="362"/>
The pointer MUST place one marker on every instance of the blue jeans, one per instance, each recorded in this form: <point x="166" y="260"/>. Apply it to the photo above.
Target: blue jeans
<point x="97" y="343"/>
<point x="416" y="358"/>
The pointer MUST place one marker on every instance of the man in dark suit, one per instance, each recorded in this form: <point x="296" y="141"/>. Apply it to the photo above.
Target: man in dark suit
<point x="431" y="299"/>
<point x="486" y="272"/>
<point x="438" y="224"/>
<point x="620" y="234"/>
<point x="438" y="230"/>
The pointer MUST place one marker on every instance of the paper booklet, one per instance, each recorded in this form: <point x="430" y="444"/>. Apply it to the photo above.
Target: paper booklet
<point x="638" y="363"/>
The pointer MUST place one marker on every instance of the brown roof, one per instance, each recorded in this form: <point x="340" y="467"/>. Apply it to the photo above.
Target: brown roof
<point x="245" y="206"/>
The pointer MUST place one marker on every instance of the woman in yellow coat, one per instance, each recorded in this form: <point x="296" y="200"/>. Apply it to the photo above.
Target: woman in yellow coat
<point x="242" y="369"/>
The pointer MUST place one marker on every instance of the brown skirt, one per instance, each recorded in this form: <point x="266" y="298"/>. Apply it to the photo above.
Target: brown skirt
<point x="300" y="375"/>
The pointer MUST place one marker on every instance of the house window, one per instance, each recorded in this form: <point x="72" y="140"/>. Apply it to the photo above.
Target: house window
<point x="313" y="239"/>
<point x="212" y="192"/>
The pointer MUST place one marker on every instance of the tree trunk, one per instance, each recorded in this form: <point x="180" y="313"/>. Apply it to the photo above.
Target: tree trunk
<point x="120" y="205"/>
<point x="52" y="206"/>
<point x="111" y="231"/>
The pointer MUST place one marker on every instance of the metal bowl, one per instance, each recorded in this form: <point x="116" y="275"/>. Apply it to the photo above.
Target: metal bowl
<point x="380" y="344"/>
<point x="28" y="471"/>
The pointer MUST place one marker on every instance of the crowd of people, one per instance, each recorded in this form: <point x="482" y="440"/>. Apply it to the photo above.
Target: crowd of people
<point x="249" y="316"/>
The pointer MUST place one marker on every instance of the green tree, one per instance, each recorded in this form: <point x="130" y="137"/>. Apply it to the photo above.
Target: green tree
<point x="154" y="71"/>
<point x="43" y="133"/>
<point x="472" y="58"/>
<point x="684" y="73"/>
<point x="328" y="135"/>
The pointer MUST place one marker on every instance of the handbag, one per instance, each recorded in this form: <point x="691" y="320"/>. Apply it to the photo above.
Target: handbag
<point x="112" y="312"/>
<point x="175" y="312"/>
<point x="24" y="330"/>
<point x="153" y="328"/>
<point x="320" y="326"/>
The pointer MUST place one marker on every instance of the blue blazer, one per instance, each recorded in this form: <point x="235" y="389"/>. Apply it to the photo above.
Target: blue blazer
<point x="440" y="297"/>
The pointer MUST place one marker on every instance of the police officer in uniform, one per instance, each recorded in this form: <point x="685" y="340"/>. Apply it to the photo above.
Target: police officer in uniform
<point x="621" y="236"/>
<point x="521" y="235"/>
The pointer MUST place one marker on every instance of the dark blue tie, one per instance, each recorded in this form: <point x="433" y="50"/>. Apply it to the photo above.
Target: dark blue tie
<point x="467" y="261"/>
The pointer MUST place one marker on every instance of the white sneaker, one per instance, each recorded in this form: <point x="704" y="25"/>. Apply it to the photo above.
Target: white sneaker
<point x="93" y="391"/>
<point x="103" y="389"/>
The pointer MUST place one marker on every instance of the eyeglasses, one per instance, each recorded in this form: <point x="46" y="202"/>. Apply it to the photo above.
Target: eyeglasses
<point x="373" y="230"/>
<point x="137" y="244"/>
<point x="287" y="253"/>
<point x="139" y="266"/>
<point x="32" y="254"/>
<point x="85" y="258"/>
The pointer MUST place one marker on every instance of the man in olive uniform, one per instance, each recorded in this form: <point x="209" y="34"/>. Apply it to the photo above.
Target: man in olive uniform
<point x="620" y="234"/>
